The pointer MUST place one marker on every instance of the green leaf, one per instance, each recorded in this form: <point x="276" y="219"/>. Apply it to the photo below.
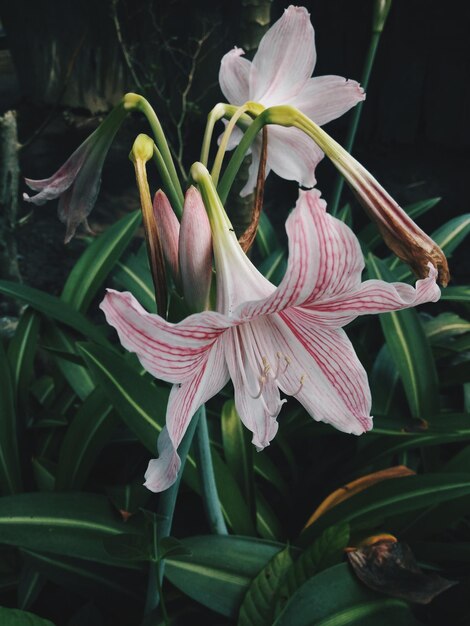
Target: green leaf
<point x="80" y="575"/>
<point x="383" y="380"/>
<point x="220" y="569"/>
<point x="267" y="524"/>
<point x="335" y="598"/>
<point x="68" y="524"/>
<point x="258" y="605"/>
<point x="15" y="617"/>
<point x="52" y="307"/>
<point x="444" y="325"/>
<point x="76" y="374"/>
<point x="456" y="294"/>
<point x="325" y="551"/>
<point x="21" y="353"/>
<point x="88" y="433"/>
<point x="134" y="275"/>
<point x="410" y="350"/>
<point x="266" y="237"/>
<point x="390" y="498"/>
<point x="238" y="453"/>
<point x="44" y="474"/>
<point x="274" y="266"/>
<point x="138" y="402"/>
<point x="10" y="472"/>
<point x="97" y="261"/>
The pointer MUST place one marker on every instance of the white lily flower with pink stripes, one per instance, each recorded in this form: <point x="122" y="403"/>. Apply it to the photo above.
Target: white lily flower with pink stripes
<point x="280" y="73"/>
<point x="267" y="339"/>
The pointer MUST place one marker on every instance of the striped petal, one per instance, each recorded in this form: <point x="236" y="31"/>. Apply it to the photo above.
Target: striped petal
<point x="171" y="352"/>
<point x="339" y="260"/>
<point x="257" y="397"/>
<point x="185" y="399"/>
<point x="323" y="373"/>
<point x="374" y="296"/>
<point x="285" y="58"/>
<point x="301" y="267"/>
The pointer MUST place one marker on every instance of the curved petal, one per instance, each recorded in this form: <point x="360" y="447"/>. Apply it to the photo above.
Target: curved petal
<point x="325" y="98"/>
<point x="169" y="227"/>
<point x="375" y="296"/>
<point x="324" y="373"/>
<point x="292" y="155"/>
<point x="339" y="256"/>
<point x="234" y="77"/>
<point x="301" y="268"/>
<point x="285" y="58"/>
<point x="195" y="251"/>
<point x="55" y="185"/>
<point x="184" y="401"/>
<point x="256" y="394"/>
<point x="171" y="352"/>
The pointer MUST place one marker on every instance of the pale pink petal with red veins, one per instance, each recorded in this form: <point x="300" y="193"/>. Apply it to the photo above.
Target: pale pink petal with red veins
<point x="285" y="58"/>
<point x="171" y="352"/>
<point x="374" y="296"/>
<point x="323" y="372"/>
<point x="185" y="399"/>
<point x="325" y="98"/>
<point x="55" y="185"/>
<point x="234" y="77"/>
<point x="169" y="228"/>
<point x="292" y="155"/>
<point x="195" y="251"/>
<point x="340" y="259"/>
<point x="302" y="267"/>
<point x="257" y="398"/>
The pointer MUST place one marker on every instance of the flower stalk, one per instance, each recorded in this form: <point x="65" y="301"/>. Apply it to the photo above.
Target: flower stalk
<point x="381" y="10"/>
<point x="142" y="151"/>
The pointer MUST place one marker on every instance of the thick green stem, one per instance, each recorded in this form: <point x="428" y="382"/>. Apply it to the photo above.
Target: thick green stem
<point x="144" y="107"/>
<point x="168" y="186"/>
<point x="356" y="116"/>
<point x="214" y="116"/>
<point x="206" y="474"/>
<point x="165" y="511"/>
<point x="234" y="165"/>
<point x="219" y="158"/>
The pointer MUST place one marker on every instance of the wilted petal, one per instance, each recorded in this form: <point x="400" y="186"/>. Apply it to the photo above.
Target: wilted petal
<point x="325" y="98"/>
<point x="185" y="399"/>
<point x="171" y="352"/>
<point x="285" y="58"/>
<point x="292" y="155"/>
<point x="234" y="76"/>
<point x="195" y="251"/>
<point x="55" y="185"/>
<point x="324" y="373"/>
<point x="169" y="228"/>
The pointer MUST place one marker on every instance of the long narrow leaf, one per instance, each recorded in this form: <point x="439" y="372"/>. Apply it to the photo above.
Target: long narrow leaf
<point x="97" y="261"/>
<point x="10" y="473"/>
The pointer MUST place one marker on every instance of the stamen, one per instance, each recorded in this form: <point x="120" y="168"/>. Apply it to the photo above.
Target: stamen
<point x="294" y="393"/>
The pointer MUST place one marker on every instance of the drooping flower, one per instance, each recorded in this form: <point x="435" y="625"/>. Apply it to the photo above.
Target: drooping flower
<point x="267" y="339"/>
<point x="280" y="73"/>
<point x="77" y="182"/>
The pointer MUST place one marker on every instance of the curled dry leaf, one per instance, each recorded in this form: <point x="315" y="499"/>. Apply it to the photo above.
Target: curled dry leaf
<point x="389" y="566"/>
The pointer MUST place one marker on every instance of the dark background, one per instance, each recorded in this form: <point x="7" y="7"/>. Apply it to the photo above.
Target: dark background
<point x="63" y="65"/>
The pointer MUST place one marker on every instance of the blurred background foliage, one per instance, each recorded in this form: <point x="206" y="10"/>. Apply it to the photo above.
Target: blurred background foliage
<point x="79" y="418"/>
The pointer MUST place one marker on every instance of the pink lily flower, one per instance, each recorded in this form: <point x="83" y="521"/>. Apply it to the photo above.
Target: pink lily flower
<point x="280" y="73"/>
<point x="77" y="182"/>
<point x="267" y="339"/>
